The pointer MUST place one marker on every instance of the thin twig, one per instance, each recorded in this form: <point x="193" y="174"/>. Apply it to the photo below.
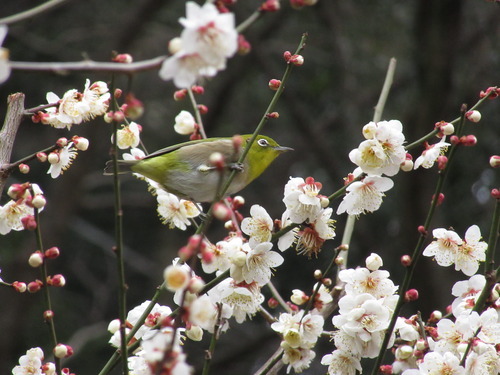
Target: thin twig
<point x="30" y="13"/>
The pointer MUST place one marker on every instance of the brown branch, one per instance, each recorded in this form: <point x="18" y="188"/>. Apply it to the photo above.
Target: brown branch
<point x="30" y="13"/>
<point x="13" y="118"/>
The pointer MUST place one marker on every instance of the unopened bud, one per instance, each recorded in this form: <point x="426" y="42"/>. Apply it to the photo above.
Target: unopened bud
<point x="406" y="260"/>
<point x="41" y="156"/>
<point x="118" y="116"/>
<point x="62" y="142"/>
<point x="495" y="161"/>
<point x="123" y="58"/>
<point x="56" y="280"/>
<point x="80" y="143"/>
<point x="339" y="261"/>
<point x="24" y="168"/>
<point x="469" y="140"/>
<point x="297" y="60"/>
<point x="118" y="93"/>
<point x="327" y="282"/>
<point x="287" y="55"/>
<point x="244" y="46"/>
<point x="239" y="259"/>
<point x="318" y="274"/>
<point x="53" y="158"/>
<point x="194" y="333"/>
<point x="442" y="160"/>
<point x="62" y="351"/>
<point x="180" y="94"/>
<point x="435" y="316"/>
<point x="196" y="285"/>
<point x="48" y="315"/>
<point x="221" y="212"/>
<point x="411" y="295"/>
<point x="217" y="160"/>
<point x="374" y="262"/>
<point x="29" y="222"/>
<point x="52" y="253"/>
<point x="421" y="345"/>
<point x="403" y="352"/>
<point x="299" y="297"/>
<point x="238" y="202"/>
<point x="270" y="6"/>
<point x="272" y="303"/>
<point x="474" y="116"/>
<point x="38" y="201"/>
<point x="448" y="129"/>
<point x="421" y="229"/>
<point x="34" y="286"/>
<point x="385" y="369"/>
<point x="495" y="193"/>
<point x="440" y="199"/>
<point x="19" y="286"/>
<point x="407" y="166"/>
<point x="175" y="45"/>
<point x="199" y="90"/>
<point x="36" y="259"/>
<point x="454" y="140"/>
<point x="273" y="115"/>
<point x="274" y="84"/>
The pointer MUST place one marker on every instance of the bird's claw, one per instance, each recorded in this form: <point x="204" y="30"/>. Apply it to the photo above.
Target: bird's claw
<point x="236" y="167"/>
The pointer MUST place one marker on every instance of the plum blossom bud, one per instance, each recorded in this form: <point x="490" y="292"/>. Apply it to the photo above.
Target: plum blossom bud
<point x="318" y="274"/>
<point x="38" y="201"/>
<point x="118" y="93"/>
<point x="24" y="168"/>
<point x="421" y="229"/>
<point x="439" y="200"/>
<point x="36" y="259"/>
<point x="495" y="161"/>
<point x="135" y="108"/>
<point x="448" y="129"/>
<point x="229" y="225"/>
<point x="244" y="47"/>
<point x="52" y="253"/>
<point x="217" y="160"/>
<point x="469" y="140"/>
<point x="297" y="60"/>
<point x="180" y="94"/>
<point x="385" y="369"/>
<point x="195" y="333"/>
<point x="403" y="352"/>
<point x="239" y="259"/>
<point x="407" y="166"/>
<point x="185" y="253"/>
<point x="41" y="156"/>
<point x="202" y="108"/>
<point x="339" y="261"/>
<point x="474" y="116"/>
<point x="272" y="303"/>
<point x="442" y="160"/>
<point x="238" y="202"/>
<point x="324" y="201"/>
<point x="406" y="260"/>
<point x="298" y="297"/>
<point x="18" y="191"/>
<point x="184" y="123"/>
<point x="108" y="117"/>
<point x="19" y="286"/>
<point x="80" y="143"/>
<point x="287" y="55"/>
<point x="176" y="277"/>
<point x="374" y="262"/>
<point x="114" y="326"/>
<point x="421" y="345"/>
<point x="435" y="316"/>
<point x="48" y="315"/>
<point x="454" y="140"/>
<point x="273" y="115"/>
<point x="53" y="158"/>
<point x="274" y="84"/>
<point x="48" y="368"/>
<point x="118" y="116"/>
<point x="199" y="90"/>
<point x="270" y="6"/>
<point x="34" y="286"/>
<point x="196" y="285"/>
<point x="123" y="58"/>
<point x="495" y="193"/>
<point x="28" y="222"/>
<point x="63" y="351"/>
<point x="175" y="45"/>
<point x="56" y="280"/>
<point x="62" y="142"/>
<point x="327" y="282"/>
<point x="369" y="130"/>
<point x="411" y="295"/>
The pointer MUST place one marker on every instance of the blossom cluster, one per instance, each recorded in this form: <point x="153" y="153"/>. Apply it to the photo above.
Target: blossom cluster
<point x="33" y="363"/>
<point x="364" y="315"/>
<point x="18" y="213"/>
<point x="75" y="107"/>
<point x="207" y="40"/>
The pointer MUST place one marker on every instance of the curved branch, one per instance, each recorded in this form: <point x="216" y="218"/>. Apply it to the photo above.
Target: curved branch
<point x="13" y="118"/>
<point x="31" y="12"/>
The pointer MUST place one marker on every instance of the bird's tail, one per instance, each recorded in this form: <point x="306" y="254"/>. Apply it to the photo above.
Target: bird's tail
<point x="123" y="167"/>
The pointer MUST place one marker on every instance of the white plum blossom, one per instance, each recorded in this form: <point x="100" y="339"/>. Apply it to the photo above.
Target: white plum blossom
<point x="407" y="331"/>
<point x="222" y="253"/>
<point x="4" y="56"/>
<point x="361" y="281"/>
<point x="30" y="363"/>
<point x="383" y="151"/>
<point x="437" y="364"/>
<point x="11" y="214"/>
<point x="483" y="363"/>
<point x="452" y="334"/>
<point x="467" y="292"/>
<point x="342" y="362"/>
<point x="64" y="159"/>
<point x="430" y="154"/>
<point x="445" y="248"/>
<point x="174" y="211"/>
<point x="259" y="227"/>
<point x="97" y="96"/>
<point x="471" y="252"/>
<point x="310" y="240"/>
<point x="287" y="240"/>
<point x="243" y="298"/>
<point x="298" y="358"/>
<point x="204" y="313"/>
<point x="184" y="123"/>
<point x="128" y="136"/>
<point x="302" y="199"/>
<point x="257" y="265"/>
<point x="365" y="195"/>
<point x="299" y="329"/>
<point x="208" y="39"/>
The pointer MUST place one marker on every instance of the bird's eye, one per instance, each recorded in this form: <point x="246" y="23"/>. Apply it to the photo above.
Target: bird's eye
<point x="262" y="142"/>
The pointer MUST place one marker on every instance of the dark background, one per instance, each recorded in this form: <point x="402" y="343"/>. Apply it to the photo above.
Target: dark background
<point x="447" y="51"/>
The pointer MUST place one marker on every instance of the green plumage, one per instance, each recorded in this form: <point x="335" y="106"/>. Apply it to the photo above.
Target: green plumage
<point x="184" y="169"/>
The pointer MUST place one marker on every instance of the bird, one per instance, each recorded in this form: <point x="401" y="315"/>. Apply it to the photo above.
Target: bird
<point x="186" y="171"/>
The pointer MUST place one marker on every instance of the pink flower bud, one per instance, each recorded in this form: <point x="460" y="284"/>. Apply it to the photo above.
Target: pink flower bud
<point x="52" y="253"/>
<point x="185" y="253"/>
<point x="493" y="92"/>
<point x="221" y="212"/>
<point x="123" y="58"/>
<point x="272" y="303"/>
<point x="48" y="315"/>
<point x="80" y="143"/>
<point x="440" y="198"/>
<point x="135" y="108"/>
<point x="41" y="156"/>
<point x="56" y="280"/>
<point x="495" y="161"/>
<point x="287" y="55"/>
<point x="18" y="191"/>
<point x="274" y="84"/>
<point x="49" y="368"/>
<point x="19" y="286"/>
<point x="62" y="142"/>
<point x="199" y="90"/>
<point x="24" y="168"/>
<point x="421" y="229"/>
<point x="385" y="369"/>
<point x="244" y="47"/>
<point x="495" y="193"/>
<point x="118" y="116"/>
<point x="441" y="162"/>
<point x="469" y="140"/>
<point x="180" y="94"/>
<point x="202" y="108"/>
<point x="297" y="60"/>
<point x="217" y="160"/>
<point x="36" y="259"/>
<point x="270" y="6"/>
<point x="29" y="222"/>
<point x="473" y="116"/>
<point x="435" y="316"/>
<point x="63" y="351"/>
<point x="297" y="4"/>
<point x="454" y="140"/>
<point x="411" y="295"/>
<point x="273" y="115"/>
<point x="118" y="93"/>
<point x="196" y="285"/>
<point x="406" y="260"/>
<point x="195" y="242"/>
<point x="34" y="286"/>
<point x="238" y="202"/>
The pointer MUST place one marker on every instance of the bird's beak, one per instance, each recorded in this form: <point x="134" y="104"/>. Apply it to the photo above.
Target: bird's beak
<point x="283" y="148"/>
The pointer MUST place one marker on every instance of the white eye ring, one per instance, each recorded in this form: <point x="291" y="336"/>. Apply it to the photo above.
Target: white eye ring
<point x="262" y="142"/>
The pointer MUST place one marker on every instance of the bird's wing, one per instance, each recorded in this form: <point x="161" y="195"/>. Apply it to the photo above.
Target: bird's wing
<point x="168" y="149"/>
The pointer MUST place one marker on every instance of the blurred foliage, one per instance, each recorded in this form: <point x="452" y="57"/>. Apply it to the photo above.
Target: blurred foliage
<point x="447" y="52"/>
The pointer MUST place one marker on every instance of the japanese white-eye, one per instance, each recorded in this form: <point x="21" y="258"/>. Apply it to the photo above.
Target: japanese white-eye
<point x="186" y="171"/>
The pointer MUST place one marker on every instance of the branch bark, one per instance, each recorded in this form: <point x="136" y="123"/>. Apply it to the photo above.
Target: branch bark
<point x="13" y="118"/>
